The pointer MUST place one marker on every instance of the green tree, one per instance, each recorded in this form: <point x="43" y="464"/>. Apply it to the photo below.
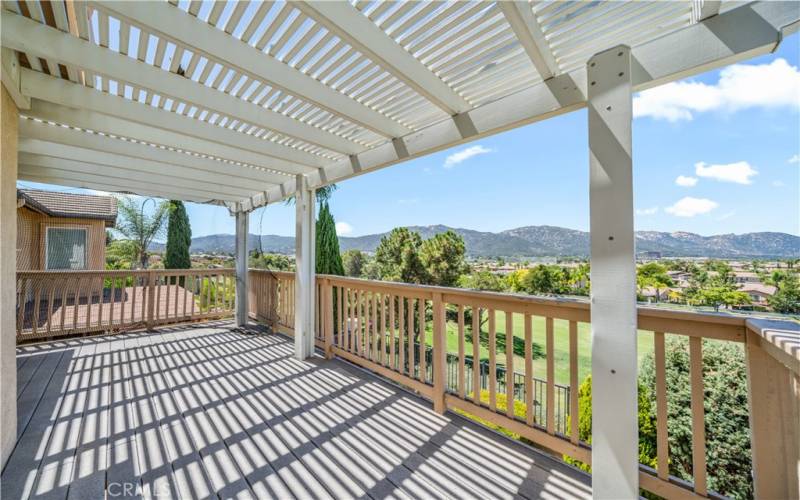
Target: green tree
<point x="482" y="280"/>
<point x="718" y="295"/>
<point x="443" y="257"/>
<point x="647" y="426"/>
<point x="653" y="275"/>
<point x="329" y="260"/>
<point x="397" y="257"/>
<point x="179" y="238"/>
<point x="140" y="227"/>
<point x="544" y="279"/>
<point x="354" y="262"/>
<point x="121" y="254"/>
<point x="271" y="261"/>
<point x="726" y="412"/>
<point x="787" y="298"/>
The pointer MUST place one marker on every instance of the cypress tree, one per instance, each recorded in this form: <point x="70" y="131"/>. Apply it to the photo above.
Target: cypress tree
<point x="179" y="238"/>
<point x="329" y="260"/>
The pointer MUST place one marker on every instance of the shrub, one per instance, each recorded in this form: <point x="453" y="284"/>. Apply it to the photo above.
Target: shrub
<point x="726" y="413"/>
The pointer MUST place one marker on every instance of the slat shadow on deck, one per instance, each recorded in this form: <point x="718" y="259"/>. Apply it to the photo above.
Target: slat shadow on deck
<point x="209" y="412"/>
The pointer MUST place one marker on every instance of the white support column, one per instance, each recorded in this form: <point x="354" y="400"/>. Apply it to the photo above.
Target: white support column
<point x="9" y="118"/>
<point x="241" y="268"/>
<point x="305" y="264"/>
<point x="615" y="435"/>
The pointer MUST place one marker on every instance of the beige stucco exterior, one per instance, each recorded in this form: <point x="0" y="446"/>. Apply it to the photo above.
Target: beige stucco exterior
<point x="31" y="233"/>
<point x="9" y="116"/>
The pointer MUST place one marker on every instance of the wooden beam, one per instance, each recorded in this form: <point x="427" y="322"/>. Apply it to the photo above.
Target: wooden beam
<point x="99" y="122"/>
<point x="43" y="138"/>
<point x="33" y="175"/>
<point x="361" y="33"/>
<point x="102" y="163"/>
<point x="305" y="281"/>
<point x="28" y="36"/>
<point x="201" y="38"/>
<point x="241" y="268"/>
<point x="522" y="20"/>
<point x="10" y="76"/>
<point x="615" y="436"/>
<point x="112" y="174"/>
<point x="64" y="93"/>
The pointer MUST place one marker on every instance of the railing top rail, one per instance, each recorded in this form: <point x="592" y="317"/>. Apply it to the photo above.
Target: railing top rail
<point x="120" y="272"/>
<point x="780" y="339"/>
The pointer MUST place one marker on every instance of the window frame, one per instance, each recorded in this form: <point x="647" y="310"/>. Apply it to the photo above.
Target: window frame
<point x="48" y="227"/>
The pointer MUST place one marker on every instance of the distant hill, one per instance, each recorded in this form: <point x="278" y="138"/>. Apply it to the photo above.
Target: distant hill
<point x="546" y="241"/>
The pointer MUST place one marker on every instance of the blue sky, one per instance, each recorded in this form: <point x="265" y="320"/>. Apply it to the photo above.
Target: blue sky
<point x="731" y="135"/>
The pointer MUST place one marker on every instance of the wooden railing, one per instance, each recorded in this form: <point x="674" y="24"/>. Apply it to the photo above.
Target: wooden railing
<point x="57" y="303"/>
<point x="412" y="334"/>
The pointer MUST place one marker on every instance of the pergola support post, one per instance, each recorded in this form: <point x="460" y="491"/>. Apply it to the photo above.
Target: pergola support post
<point x="241" y="268"/>
<point x="615" y="436"/>
<point x="9" y="118"/>
<point x="305" y="264"/>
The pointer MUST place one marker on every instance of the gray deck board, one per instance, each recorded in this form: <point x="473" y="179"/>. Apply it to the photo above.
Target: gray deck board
<point x="209" y="412"/>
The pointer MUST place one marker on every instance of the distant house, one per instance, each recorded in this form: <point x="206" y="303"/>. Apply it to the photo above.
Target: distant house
<point x="57" y="231"/>
<point x="759" y="293"/>
<point x="746" y="277"/>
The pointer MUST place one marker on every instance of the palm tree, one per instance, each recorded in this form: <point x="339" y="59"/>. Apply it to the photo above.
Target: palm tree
<point x="139" y="227"/>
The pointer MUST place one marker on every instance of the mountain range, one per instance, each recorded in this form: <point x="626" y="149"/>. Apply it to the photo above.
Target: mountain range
<point x="544" y="241"/>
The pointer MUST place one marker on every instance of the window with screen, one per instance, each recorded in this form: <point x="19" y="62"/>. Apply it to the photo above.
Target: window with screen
<point x="66" y="248"/>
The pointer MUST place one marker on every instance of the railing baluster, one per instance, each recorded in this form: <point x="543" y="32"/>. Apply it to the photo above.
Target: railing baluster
<point x="529" y="408"/>
<point x="76" y="304"/>
<point x="37" y="288"/>
<point x="411" y="337"/>
<point x="476" y="354"/>
<point x="551" y="373"/>
<point x="462" y="363"/>
<point x="382" y="329"/>
<point x="573" y="381"/>
<point x="392" y="330"/>
<point x="698" y="415"/>
<point x="50" y="298"/>
<point x="509" y="364"/>
<point x="492" y="361"/>
<point x="401" y="334"/>
<point x="423" y="346"/>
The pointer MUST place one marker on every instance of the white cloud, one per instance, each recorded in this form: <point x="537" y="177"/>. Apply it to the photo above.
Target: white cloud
<point x="740" y="86"/>
<point x="646" y="211"/>
<point x="689" y="207"/>
<point x="739" y="172"/>
<point x="686" y="181"/>
<point x="794" y="159"/>
<point x="464" y="155"/>
<point x="343" y="228"/>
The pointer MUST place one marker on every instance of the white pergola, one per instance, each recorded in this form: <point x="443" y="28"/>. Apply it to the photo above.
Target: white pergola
<point x="243" y="104"/>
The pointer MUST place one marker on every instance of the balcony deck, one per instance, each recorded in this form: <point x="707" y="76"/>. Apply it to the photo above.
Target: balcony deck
<point x="207" y="411"/>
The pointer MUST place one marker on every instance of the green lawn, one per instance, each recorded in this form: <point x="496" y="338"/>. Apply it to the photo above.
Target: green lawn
<point x="560" y="349"/>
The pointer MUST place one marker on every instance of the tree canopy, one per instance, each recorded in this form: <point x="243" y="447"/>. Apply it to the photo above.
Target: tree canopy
<point x="397" y="257"/>
<point x="354" y="262"/>
<point x="443" y="257"/>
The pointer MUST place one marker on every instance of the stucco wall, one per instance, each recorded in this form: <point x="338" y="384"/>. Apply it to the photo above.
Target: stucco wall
<point x="31" y="239"/>
<point x="9" y="116"/>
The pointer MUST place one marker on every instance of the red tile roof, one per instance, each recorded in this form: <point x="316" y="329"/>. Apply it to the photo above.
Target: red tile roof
<point x="79" y="206"/>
